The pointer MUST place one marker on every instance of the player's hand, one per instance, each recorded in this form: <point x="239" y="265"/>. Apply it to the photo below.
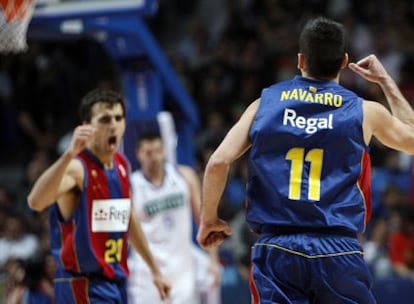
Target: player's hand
<point x="81" y="135"/>
<point x="163" y="286"/>
<point x="212" y="234"/>
<point x="370" y="68"/>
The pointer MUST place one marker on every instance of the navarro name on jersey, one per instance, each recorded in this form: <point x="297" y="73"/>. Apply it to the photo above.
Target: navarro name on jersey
<point x="311" y="96"/>
<point x="310" y="124"/>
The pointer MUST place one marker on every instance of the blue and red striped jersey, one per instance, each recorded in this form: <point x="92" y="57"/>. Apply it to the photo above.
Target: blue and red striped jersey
<point x="93" y="240"/>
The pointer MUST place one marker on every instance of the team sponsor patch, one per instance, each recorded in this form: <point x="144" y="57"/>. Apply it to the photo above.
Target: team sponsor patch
<point x="111" y="215"/>
<point x="310" y="125"/>
<point x="168" y="202"/>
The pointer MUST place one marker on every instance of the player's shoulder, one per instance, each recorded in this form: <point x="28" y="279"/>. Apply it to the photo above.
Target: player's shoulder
<point x="184" y="168"/>
<point x="279" y="84"/>
<point x="120" y="157"/>
<point x="375" y="113"/>
<point x="186" y="171"/>
<point x="137" y="178"/>
<point x="76" y="165"/>
<point x="268" y="92"/>
<point x="373" y="107"/>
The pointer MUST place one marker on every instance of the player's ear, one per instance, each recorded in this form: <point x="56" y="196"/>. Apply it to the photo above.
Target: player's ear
<point x="301" y="61"/>
<point x="137" y="153"/>
<point x="345" y="61"/>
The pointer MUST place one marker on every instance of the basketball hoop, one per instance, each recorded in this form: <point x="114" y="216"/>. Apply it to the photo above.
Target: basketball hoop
<point x="15" y="16"/>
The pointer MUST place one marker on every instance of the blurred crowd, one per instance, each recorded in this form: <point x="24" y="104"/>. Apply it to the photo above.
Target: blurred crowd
<point x="224" y="52"/>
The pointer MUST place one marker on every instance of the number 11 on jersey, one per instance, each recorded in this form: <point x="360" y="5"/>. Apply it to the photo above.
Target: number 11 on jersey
<point x="297" y="157"/>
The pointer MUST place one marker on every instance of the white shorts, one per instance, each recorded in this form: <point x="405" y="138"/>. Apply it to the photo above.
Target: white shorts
<point x="141" y="288"/>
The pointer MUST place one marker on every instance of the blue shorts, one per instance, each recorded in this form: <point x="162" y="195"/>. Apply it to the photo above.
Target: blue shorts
<point x="307" y="268"/>
<point x="72" y="288"/>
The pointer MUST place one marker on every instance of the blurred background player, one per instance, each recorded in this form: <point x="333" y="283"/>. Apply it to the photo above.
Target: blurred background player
<point x="166" y="197"/>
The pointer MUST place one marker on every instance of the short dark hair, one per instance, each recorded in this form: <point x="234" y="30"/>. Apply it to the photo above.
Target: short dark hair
<point x="148" y="135"/>
<point x="323" y="43"/>
<point x="104" y="95"/>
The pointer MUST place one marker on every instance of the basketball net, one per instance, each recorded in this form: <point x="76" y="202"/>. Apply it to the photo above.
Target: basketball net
<point x="15" y="16"/>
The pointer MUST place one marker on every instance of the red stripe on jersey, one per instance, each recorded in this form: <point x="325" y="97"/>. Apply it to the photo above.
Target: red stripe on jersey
<point x="68" y="254"/>
<point x="122" y="168"/>
<point x="80" y="290"/>
<point x="123" y="173"/>
<point x="124" y="261"/>
<point x="97" y="188"/>
<point x="253" y="288"/>
<point x="364" y="183"/>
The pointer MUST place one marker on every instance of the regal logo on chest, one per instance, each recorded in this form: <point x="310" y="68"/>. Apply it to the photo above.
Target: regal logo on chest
<point x="111" y="215"/>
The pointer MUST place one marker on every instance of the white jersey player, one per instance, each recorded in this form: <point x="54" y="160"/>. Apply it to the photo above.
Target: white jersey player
<point x="164" y="196"/>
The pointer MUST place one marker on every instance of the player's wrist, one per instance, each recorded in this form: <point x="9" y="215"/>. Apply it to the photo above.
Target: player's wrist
<point x="155" y="271"/>
<point x="386" y="82"/>
<point x="208" y="218"/>
<point x="68" y="154"/>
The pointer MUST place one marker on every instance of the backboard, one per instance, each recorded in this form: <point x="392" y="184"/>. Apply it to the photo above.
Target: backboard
<point x="64" y="9"/>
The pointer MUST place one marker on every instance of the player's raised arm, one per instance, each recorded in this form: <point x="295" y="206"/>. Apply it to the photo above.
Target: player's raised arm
<point x="64" y="174"/>
<point x="372" y="70"/>
<point x="397" y="130"/>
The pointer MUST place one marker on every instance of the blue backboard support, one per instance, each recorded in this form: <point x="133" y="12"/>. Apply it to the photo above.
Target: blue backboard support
<point x="127" y="39"/>
<point x="58" y="9"/>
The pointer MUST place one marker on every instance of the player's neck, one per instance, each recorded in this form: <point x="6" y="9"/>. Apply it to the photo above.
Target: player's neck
<point x="107" y="162"/>
<point x="305" y="74"/>
<point x="105" y="159"/>
<point x="156" y="177"/>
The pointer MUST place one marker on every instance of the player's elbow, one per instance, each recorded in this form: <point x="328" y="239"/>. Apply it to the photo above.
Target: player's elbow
<point x="408" y="144"/>
<point x="35" y="203"/>
<point x="217" y="163"/>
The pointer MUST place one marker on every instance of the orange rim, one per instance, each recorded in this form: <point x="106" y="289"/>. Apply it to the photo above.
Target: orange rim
<point x="15" y="9"/>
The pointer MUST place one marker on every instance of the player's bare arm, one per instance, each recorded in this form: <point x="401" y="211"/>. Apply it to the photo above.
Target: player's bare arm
<point x="63" y="176"/>
<point x="388" y="129"/>
<point x="396" y="130"/>
<point x="139" y="242"/>
<point x="372" y="70"/>
<point x="213" y="230"/>
<point x="194" y="186"/>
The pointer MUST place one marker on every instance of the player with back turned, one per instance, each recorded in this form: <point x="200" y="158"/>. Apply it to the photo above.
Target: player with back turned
<point x="308" y="187"/>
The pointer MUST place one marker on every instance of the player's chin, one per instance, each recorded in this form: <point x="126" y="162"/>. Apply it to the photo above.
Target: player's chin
<point x="111" y="149"/>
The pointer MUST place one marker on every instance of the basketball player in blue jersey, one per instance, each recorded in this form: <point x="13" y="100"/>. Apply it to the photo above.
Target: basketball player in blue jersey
<point x="88" y="194"/>
<point x="308" y="189"/>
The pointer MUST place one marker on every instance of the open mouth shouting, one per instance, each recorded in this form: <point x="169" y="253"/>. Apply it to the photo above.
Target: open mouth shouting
<point x="112" y="141"/>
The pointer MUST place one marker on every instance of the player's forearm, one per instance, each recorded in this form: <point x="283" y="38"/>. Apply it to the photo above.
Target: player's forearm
<point x="215" y="179"/>
<point x="399" y="105"/>
<point x="45" y="190"/>
<point x="214" y="255"/>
